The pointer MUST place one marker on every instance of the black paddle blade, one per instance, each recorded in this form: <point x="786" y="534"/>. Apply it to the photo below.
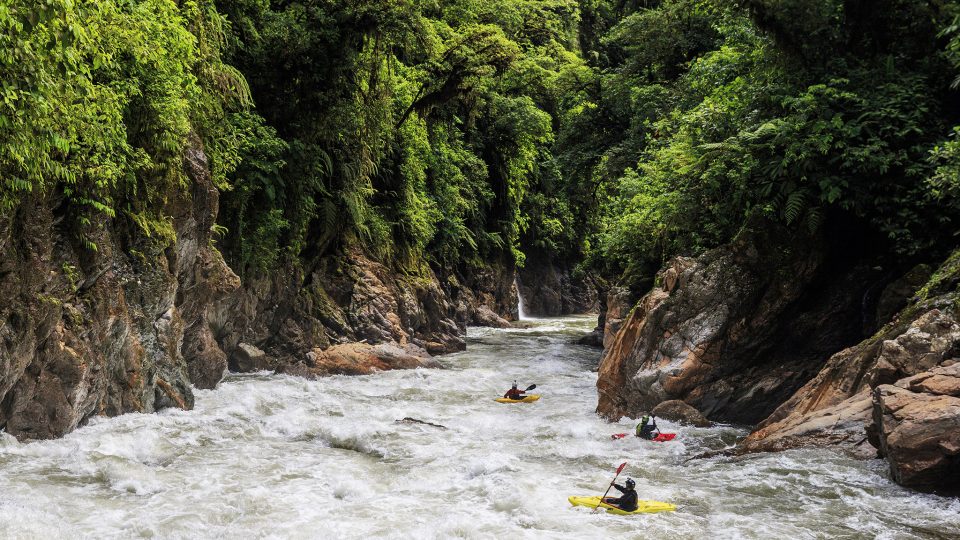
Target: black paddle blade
<point x="531" y="387"/>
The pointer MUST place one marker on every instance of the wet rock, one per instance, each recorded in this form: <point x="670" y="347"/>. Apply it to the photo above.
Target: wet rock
<point x="835" y="407"/>
<point x="737" y="331"/>
<point x="678" y="411"/>
<point x="484" y="316"/>
<point x="593" y="339"/>
<point x="360" y="359"/>
<point x="919" y="430"/>
<point x="123" y="328"/>
<point x="549" y="288"/>
<point x="246" y="358"/>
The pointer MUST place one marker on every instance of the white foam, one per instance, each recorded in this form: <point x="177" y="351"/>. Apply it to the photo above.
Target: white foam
<point x="282" y="457"/>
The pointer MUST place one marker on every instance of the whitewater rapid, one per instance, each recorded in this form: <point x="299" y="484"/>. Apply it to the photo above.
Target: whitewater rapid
<point x="266" y="456"/>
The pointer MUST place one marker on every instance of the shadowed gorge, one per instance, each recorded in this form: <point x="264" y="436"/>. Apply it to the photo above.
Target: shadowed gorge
<point x="758" y="200"/>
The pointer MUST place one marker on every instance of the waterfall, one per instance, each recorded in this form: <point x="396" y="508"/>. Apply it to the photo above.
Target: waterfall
<point x="521" y="315"/>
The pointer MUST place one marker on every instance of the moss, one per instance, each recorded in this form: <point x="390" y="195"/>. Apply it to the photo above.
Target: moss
<point x="49" y="300"/>
<point x="945" y="280"/>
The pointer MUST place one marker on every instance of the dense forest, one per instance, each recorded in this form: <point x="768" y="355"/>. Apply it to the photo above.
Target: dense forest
<point x="613" y="133"/>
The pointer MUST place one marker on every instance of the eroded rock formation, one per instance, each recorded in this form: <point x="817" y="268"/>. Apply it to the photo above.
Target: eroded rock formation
<point x="737" y="331"/>
<point x="917" y="428"/>
<point x="88" y="332"/>
<point x="153" y="311"/>
<point x="276" y="322"/>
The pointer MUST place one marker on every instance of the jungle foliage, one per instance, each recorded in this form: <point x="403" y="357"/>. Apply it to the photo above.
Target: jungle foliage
<point x="456" y="132"/>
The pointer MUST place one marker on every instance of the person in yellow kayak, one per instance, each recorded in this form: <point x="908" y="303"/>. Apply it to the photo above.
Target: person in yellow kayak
<point x="628" y="502"/>
<point x="647" y="427"/>
<point x="515" y="393"/>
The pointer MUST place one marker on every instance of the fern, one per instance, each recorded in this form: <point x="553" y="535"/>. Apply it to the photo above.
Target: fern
<point x="794" y="205"/>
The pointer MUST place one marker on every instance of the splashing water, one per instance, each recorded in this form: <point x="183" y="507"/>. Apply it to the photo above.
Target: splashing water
<point x="279" y="457"/>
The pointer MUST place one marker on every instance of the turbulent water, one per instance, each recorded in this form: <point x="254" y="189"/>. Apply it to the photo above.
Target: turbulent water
<point x="279" y="457"/>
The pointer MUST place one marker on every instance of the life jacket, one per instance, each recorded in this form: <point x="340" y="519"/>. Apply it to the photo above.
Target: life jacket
<point x="643" y="423"/>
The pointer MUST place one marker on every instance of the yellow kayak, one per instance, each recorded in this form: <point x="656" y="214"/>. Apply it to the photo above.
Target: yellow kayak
<point x="643" y="507"/>
<point x="527" y="399"/>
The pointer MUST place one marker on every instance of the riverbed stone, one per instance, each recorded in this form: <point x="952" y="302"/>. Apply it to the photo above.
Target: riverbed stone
<point x="678" y="411"/>
<point x="919" y="433"/>
<point x="246" y="358"/>
<point x="360" y="359"/>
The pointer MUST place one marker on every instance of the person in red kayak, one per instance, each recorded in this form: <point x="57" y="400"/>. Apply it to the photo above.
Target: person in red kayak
<point x="647" y="427"/>
<point x="515" y="393"/>
<point x="628" y="502"/>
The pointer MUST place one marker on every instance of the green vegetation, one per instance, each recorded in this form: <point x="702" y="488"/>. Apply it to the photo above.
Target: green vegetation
<point x="459" y="132"/>
<point x="792" y="109"/>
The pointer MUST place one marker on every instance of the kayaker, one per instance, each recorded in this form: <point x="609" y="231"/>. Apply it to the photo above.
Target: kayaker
<point x="628" y="502"/>
<point x="647" y="426"/>
<point x="514" y="392"/>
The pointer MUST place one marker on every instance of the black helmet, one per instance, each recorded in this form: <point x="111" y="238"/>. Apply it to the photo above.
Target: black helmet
<point x="630" y="483"/>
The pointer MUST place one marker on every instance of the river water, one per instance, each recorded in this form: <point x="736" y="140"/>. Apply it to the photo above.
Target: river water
<point x="280" y="457"/>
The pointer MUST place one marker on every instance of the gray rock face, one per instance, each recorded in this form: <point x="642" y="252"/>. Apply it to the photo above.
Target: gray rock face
<point x="550" y="289"/>
<point x="110" y="331"/>
<point x="735" y="332"/>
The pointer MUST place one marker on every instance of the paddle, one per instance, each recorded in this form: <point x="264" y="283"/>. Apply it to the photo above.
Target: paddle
<point x="619" y="470"/>
<point x="531" y="387"/>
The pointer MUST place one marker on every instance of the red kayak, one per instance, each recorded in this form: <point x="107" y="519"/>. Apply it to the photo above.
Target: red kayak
<point x="662" y="437"/>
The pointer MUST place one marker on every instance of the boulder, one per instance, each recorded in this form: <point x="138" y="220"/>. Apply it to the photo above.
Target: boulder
<point x="678" y="411"/>
<point x="834" y="408"/>
<point x="917" y="425"/>
<point x="484" y="316"/>
<point x="246" y="358"/>
<point x="359" y="359"/>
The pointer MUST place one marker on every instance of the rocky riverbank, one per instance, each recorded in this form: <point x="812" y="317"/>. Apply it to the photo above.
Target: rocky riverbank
<point x="782" y="337"/>
<point x="153" y="311"/>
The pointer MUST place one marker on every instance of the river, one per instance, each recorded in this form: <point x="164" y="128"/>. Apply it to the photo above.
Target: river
<point x="267" y="456"/>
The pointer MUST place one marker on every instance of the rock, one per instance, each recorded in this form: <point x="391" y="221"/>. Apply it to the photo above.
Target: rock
<point x="593" y="339"/>
<point x="737" y="331"/>
<point x="123" y="328"/>
<point x="897" y="294"/>
<point x="550" y="288"/>
<point x="919" y="433"/>
<point x="619" y="303"/>
<point x="835" y="407"/>
<point x="359" y="359"/>
<point x="839" y="427"/>
<point x="678" y="411"/>
<point x="485" y="317"/>
<point x="246" y="358"/>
